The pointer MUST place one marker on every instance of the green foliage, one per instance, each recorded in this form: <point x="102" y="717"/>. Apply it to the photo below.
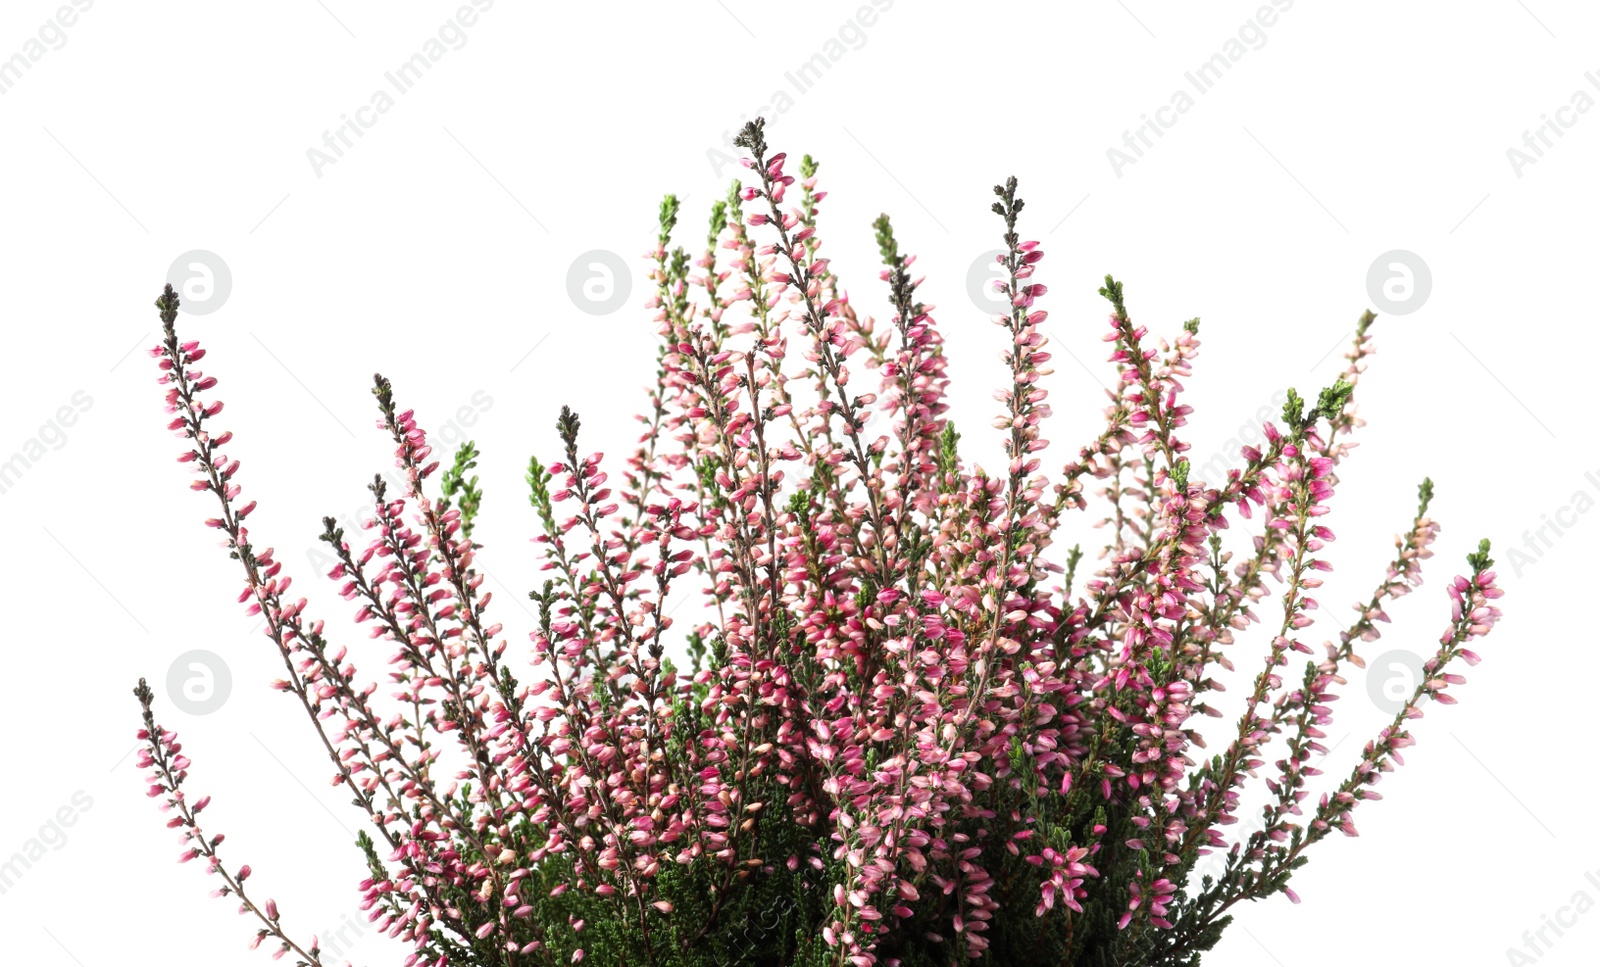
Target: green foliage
<point x="668" y="219"/>
<point x="1112" y="293"/>
<point x="949" y="457"/>
<point x="1480" y="559"/>
<point x="1330" y="403"/>
<point x="457" y="487"/>
<point x="1180" y="473"/>
<point x="719" y="222"/>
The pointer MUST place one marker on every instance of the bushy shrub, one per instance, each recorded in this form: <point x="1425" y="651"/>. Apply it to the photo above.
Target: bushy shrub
<point x="902" y="729"/>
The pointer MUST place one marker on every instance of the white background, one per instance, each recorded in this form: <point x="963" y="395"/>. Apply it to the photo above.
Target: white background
<point x="437" y="249"/>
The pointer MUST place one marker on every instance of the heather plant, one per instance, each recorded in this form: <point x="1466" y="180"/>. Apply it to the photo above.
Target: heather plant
<point x="900" y="729"/>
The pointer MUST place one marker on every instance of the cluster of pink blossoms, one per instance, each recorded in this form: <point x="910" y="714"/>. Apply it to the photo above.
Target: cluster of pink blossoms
<point x="895" y="702"/>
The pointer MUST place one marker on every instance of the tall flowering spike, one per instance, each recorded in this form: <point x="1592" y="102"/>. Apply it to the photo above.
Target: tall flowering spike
<point x="809" y="684"/>
<point x="160" y="753"/>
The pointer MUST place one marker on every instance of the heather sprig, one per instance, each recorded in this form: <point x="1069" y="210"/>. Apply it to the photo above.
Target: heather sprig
<point x="900" y="726"/>
<point x="162" y="754"/>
